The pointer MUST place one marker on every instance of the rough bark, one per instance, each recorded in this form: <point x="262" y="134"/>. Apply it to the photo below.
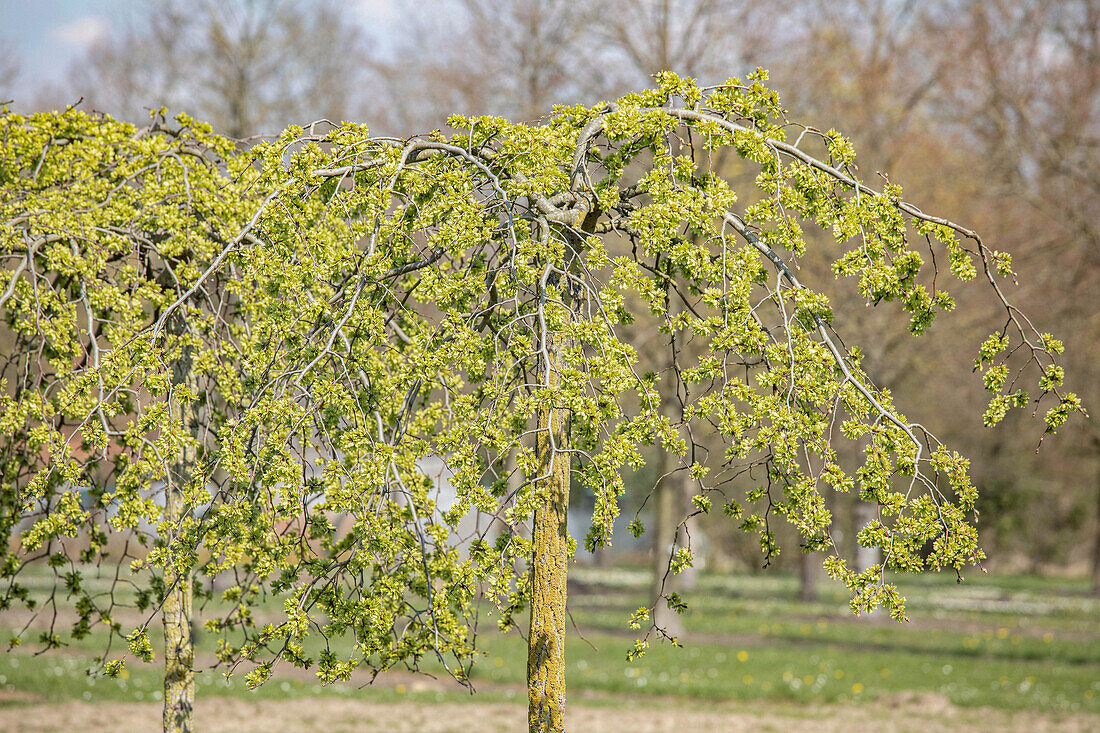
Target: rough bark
<point x="550" y="555"/>
<point x="179" y="652"/>
<point x="179" y="656"/>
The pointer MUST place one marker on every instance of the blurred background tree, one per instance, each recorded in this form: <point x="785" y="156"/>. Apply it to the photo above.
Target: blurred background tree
<point x="248" y="67"/>
<point x="984" y="110"/>
<point x="9" y="69"/>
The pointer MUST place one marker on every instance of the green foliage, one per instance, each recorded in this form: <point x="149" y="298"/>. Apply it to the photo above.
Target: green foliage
<point x="355" y="308"/>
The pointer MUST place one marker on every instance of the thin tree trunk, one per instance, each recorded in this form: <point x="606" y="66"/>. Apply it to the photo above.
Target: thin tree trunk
<point x="669" y="498"/>
<point x="865" y="557"/>
<point x="685" y="490"/>
<point x="808" y="572"/>
<point x="862" y="513"/>
<point x="667" y="511"/>
<point x="179" y="652"/>
<point x="550" y="555"/>
<point x="179" y="655"/>
<point x="1096" y="539"/>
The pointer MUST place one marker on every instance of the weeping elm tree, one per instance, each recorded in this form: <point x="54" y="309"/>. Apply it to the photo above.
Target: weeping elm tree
<point x="237" y="366"/>
<point x="103" y="435"/>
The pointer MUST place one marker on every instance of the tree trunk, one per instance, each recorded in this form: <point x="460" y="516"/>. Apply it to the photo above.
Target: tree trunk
<point x="862" y="513"/>
<point x="549" y="558"/>
<point x="179" y="655"/>
<point x="179" y="652"/>
<point x="669" y="500"/>
<point x="1096" y="540"/>
<point x="668" y="507"/>
<point x="686" y="579"/>
<point x="865" y="557"/>
<point x="808" y="572"/>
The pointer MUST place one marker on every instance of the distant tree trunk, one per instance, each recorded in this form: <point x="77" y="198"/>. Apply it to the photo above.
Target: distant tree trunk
<point x="179" y="652"/>
<point x="669" y="501"/>
<point x="1096" y="539"/>
<point x="604" y="558"/>
<point x="686" y="579"/>
<point x="808" y="571"/>
<point x="862" y="513"/>
<point x="865" y="557"/>
<point x="667" y="512"/>
<point x="550" y="555"/>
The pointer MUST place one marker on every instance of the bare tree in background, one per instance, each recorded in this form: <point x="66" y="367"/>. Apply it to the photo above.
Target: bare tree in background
<point x="515" y="57"/>
<point x="867" y="68"/>
<point x="9" y="72"/>
<point x="710" y="40"/>
<point x="246" y="66"/>
<point x="707" y="39"/>
<point x="1030" y="104"/>
<point x="868" y="65"/>
<point x="512" y="58"/>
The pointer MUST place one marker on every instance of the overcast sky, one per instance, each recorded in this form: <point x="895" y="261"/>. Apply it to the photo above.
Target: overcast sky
<point x="47" y="35"/>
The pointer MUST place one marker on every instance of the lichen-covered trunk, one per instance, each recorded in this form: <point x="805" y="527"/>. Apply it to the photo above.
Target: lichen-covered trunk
<point x="179" y="655"/>
<point x="546" y="641"/>
<point x="179" y="651"/>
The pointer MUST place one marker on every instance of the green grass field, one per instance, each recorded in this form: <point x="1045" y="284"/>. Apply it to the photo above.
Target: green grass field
<point x="1014" y="643"/>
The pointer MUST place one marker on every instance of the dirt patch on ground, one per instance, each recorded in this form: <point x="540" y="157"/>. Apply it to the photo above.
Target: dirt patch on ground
<point x="7" y="697"/>
<point x="228" y="715"/>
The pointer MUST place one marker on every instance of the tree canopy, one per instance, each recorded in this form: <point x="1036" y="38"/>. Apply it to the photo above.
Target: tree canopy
<point x="237" y="362"/>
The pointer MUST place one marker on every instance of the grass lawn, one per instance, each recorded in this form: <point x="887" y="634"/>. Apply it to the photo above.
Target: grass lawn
<point x="996" y="641"/>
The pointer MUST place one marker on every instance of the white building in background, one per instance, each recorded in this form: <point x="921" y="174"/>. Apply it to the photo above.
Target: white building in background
<point x="476" y="523"/>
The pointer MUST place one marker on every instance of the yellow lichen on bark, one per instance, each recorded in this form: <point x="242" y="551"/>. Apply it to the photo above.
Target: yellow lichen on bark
<point x="546" y="641"/>
<point x="179" y="658"/>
